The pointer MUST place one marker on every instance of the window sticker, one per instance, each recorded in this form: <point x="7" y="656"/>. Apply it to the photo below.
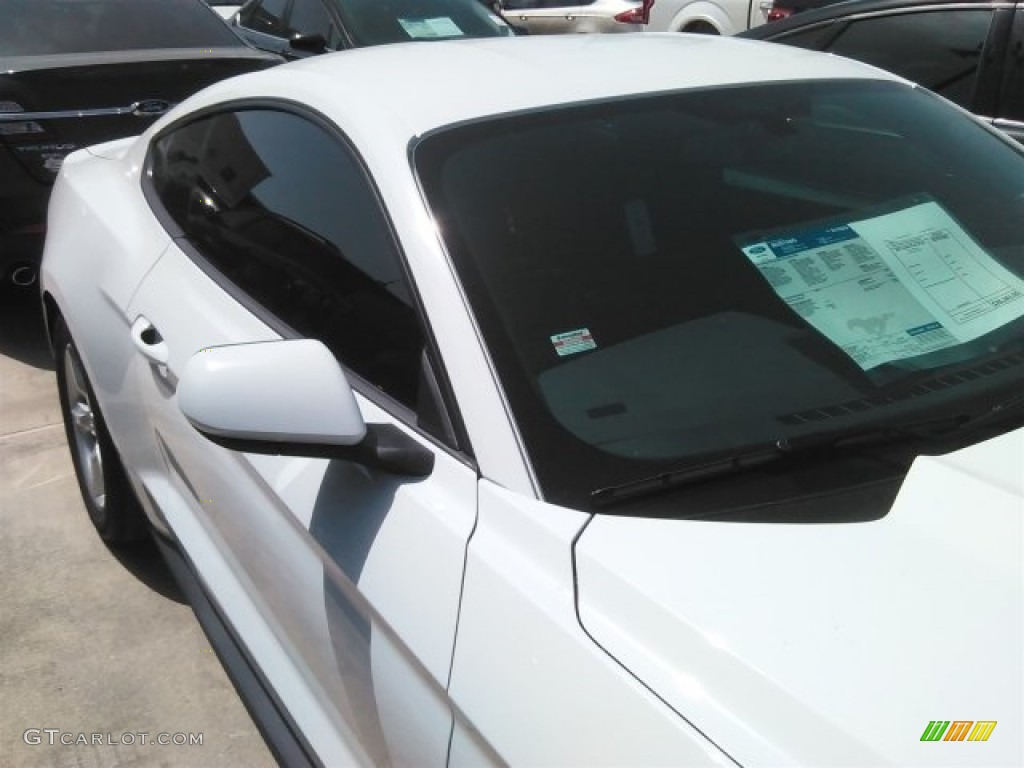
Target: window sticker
<point x="892" y="286"/>
<point x="573" y="342"/>
<point x="425" y="29"/>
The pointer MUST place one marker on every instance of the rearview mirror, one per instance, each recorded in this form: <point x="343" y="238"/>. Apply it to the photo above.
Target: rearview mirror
<point x="315" y="43"/>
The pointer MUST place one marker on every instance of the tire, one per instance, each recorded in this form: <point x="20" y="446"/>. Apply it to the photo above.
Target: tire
<point x="108" y="497"/>
<point x="701" y="28"/>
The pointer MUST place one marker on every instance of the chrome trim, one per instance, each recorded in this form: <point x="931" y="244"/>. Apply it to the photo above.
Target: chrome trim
<point x="1008" y="125"/>
<point x="140" y="108"/>
<point x="993" y="6"/>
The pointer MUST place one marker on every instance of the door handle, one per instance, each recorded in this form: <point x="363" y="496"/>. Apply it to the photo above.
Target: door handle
<point x="149" y="341"/>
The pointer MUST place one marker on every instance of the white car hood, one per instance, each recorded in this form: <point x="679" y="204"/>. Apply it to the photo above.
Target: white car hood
<point x="831" y="644"/>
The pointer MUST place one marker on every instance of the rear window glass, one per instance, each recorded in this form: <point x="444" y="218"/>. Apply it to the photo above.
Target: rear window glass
<point x="39" y="27"/>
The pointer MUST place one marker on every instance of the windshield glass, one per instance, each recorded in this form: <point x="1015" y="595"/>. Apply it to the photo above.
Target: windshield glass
<point x="373" y="22"/>
<point x="668" y="278"/>
<point x="40" y="27"/>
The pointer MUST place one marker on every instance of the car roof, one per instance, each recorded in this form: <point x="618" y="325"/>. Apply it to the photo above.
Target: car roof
<point x="847" y="8"/>
<point x="412" y="88"/>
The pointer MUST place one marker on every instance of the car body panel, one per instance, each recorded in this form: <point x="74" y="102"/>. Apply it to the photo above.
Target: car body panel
<point x="102" y="250"/>
<point x="563" y="701"/>
<point x="385" y="526"/>
<point x="546" y="18"/>
<point x="727" y="17"/>
<point x="840" y="612"/>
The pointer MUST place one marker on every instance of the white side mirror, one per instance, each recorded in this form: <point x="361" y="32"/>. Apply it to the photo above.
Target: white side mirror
<point x="290" y="398"/>
<point x="280" y="392"/>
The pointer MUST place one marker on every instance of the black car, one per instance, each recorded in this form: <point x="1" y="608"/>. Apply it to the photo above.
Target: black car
<point x="970" y="52"/>
<point x="80" y="72"/>
<point x="298" y="28"/>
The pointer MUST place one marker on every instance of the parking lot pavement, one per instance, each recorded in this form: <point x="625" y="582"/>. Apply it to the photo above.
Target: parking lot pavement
<point x="97" y="646"/>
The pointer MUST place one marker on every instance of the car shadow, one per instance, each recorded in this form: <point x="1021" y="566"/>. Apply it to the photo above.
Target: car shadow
<point x="143" y="560"/>
<point x="22" y="330"/>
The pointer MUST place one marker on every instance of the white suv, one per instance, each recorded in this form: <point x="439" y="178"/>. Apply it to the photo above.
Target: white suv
<point x="710" y="17"/>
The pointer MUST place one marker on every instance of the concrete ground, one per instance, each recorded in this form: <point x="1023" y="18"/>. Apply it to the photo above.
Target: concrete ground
<point x="95" y="644"/>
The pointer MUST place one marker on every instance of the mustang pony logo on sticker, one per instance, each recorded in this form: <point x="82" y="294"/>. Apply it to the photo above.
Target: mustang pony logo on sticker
<point x="573" y="342"/>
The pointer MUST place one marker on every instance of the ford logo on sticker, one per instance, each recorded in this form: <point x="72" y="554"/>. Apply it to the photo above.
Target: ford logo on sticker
<point x="150" y="107"/>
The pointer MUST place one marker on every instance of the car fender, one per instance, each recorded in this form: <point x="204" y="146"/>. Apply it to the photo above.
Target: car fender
<point x="102" y="250"/>
<point x="727" y="17"/>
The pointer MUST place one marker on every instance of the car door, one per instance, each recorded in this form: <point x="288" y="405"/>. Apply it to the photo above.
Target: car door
<point x="352" y="574"/>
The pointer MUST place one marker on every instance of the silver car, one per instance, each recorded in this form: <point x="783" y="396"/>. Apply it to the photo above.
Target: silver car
<point x="548" y="17"/>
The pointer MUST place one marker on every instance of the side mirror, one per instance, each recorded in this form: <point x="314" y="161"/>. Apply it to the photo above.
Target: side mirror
<point x="312" y="44"/>
<point x="289" y="398"/>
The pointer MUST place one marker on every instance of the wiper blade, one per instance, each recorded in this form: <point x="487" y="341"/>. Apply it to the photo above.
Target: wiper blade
<point x="708" y="467"/>
<point x="686" y="474"/>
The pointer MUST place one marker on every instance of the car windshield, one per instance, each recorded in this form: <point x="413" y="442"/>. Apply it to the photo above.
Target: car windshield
<point x="375" y="22"/>
<point x="668" y="278"/>
<point x="40" y="27"/>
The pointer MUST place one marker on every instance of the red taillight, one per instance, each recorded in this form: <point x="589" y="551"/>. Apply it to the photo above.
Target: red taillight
<point x="632" y="16"/>
<point x="639" y="15"/>
<point x="778" y="14"/>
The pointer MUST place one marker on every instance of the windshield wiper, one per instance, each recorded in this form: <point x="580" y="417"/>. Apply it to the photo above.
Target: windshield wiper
<point x="710" y="466"/>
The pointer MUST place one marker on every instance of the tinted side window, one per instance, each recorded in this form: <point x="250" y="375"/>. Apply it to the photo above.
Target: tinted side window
<point x="1012" y="97"/>
<point x="941" y="50"/>
<point x="266" y="16"/>
<point x="813" y="38"/>
<point x="284" y="210"/>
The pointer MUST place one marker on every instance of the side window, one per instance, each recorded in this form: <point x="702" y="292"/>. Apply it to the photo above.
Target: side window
<point x="1011" y="99"/>
<point x="284" y="210"/>
<point x="266" y="16"/>
<point x="940" y="50"/>
<point x="812" y="38"/>
<point x="310" y="17"/>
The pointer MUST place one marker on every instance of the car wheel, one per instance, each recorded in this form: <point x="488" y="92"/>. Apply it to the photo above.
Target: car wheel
<point x="702" y="28"/>
<point x="108" y="497"/>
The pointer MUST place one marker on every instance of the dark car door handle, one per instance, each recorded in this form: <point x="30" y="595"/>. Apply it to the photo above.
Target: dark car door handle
<point x="149" y="341"/>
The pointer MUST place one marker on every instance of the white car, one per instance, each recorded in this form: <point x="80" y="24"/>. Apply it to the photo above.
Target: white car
<point x="707" y="17"/>
<point x="565" y="416"/>
<point x="546" y="17"/>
